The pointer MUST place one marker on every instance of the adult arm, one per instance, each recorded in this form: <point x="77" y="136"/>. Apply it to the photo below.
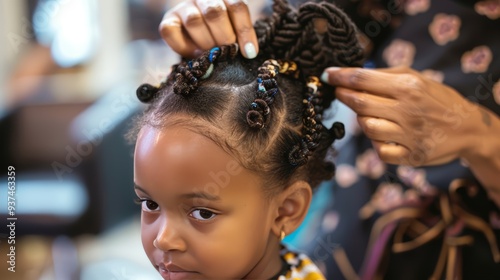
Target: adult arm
<point x="416" y="121"/>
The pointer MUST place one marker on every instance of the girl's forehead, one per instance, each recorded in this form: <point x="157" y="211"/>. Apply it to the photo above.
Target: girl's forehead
<point x="179" y="148"/>
<point x="175" y="156"/>
<point x="176" y="142"/>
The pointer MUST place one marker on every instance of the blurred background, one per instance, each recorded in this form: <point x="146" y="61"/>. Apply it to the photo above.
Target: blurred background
<point x="68" y="74"/>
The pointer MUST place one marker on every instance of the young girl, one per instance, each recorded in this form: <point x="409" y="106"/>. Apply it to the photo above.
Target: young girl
<point x="230" y="149"/>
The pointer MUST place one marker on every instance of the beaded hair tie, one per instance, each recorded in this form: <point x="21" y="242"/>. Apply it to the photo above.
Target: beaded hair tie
<point x="267" y="88"/>
<point x="188" y="73"/>
<point x="312" y="127"/>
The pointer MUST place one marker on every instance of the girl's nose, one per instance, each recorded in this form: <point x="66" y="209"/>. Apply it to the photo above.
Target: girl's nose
<point x="169" y="239"/>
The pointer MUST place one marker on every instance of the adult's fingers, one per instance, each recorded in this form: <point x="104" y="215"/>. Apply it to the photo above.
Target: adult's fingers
<point x="217" y="20"/>
<point x="383" y="130"/>
<point x="198" y="25"/>
<point x="367" y="104"/>
<point x="392" y="153"/>
<point x="390" y="83"/>
<point x="175" y="36"/>
<point x="242" y="24"/>
<point x="194" y="25"/>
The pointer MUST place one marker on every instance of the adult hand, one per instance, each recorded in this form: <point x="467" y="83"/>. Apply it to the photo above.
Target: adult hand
<point x="196" y="25"/>
<point x="410" y="118"/>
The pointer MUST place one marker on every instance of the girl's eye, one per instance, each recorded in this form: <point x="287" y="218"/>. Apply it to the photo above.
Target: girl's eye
<point x="202" y="214"/>
<point x="148" y="205"/>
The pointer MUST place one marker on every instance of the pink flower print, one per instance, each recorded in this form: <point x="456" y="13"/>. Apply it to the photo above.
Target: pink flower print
<point x="413" y="7"/>
<point x="370" y="165"/>
<point x="444" y="28"/>
<point x="415" y="178"/>
<point x="477" y="60"/>
<point x="496" y="92"/>
<point x="387" y="196"/>
<point x="411" y="176"/>
<point x="434" y="75"/>
<point x="346" y="175"/>
<point x="399" y="53"/>
<point x="488" y="8"/>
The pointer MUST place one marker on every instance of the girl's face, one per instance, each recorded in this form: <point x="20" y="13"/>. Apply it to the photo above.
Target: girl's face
<point x="203" y="215"/>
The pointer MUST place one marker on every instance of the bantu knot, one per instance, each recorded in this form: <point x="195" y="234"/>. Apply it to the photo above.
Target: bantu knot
<point x="146" y="93"/>
<point x="338" y="130"/>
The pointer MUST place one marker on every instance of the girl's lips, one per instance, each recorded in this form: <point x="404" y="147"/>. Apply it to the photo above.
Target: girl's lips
<point x="176" y="275"/>
<point x="171" y="267"/>
<point x="173" y="272"/>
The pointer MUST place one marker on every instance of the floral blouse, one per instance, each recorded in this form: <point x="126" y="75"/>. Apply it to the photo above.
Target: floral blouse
<point x="385" y="221"/>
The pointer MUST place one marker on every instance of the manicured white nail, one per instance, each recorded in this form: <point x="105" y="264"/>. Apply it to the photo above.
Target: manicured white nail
<point x="206" y="5"/>
<point x="324" y="77"/>
<point x="236" y="2"/>
<point x="250" y="50"/>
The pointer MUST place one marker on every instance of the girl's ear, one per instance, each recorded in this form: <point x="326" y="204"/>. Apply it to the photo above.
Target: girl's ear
<point x="293" y="204"/>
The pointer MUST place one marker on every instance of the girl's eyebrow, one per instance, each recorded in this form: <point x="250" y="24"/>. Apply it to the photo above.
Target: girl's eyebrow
<point x="202" y="195"/>
<point x="136" y="187"/>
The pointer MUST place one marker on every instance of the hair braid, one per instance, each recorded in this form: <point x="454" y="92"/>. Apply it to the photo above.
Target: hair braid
<point x="338" y="42"/>
<point x="186" y="75"/>
<point x="257" y="116"/>
<point x="272" y="125"/>
<point x="298" y="36"/>
<point x="293" y="35"/>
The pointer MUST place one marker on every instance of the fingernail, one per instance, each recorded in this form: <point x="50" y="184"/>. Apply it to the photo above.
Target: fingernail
<point x="207" y="5"/>
<point x="324" y="77"/>
<point x="236" y="2"/>
<point x="250" y="51"/>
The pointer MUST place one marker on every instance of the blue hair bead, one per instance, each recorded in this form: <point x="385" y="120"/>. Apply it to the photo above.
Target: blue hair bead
<point x="254" y="105"/>
<point x="212" y="53"/>
<point x="190" y="64"/>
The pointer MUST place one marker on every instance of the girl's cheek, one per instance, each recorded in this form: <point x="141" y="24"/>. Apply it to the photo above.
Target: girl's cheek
<point x="148" y="235"/>
<point x="148" y="230"/>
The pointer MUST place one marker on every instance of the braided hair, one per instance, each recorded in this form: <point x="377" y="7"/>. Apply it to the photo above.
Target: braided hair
<point x="267" y="111"/>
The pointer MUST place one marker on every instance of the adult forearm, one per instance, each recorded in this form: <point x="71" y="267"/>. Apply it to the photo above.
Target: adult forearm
<point x="483" y="156"/>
